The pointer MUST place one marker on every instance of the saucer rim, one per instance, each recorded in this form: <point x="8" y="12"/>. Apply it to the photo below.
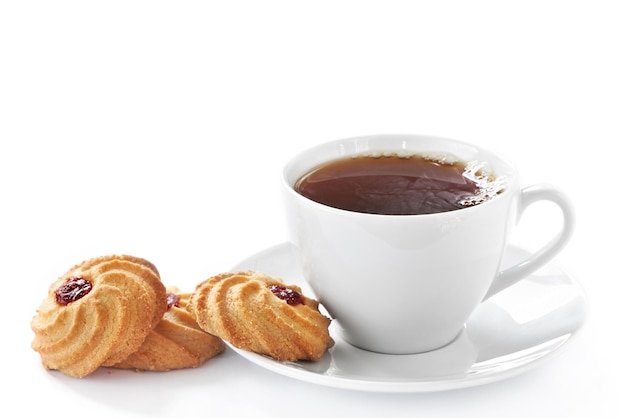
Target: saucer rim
<point x="555" y="347"/>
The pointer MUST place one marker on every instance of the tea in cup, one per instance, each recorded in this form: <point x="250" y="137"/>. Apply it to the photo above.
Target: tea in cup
<point x="401" y="236"/>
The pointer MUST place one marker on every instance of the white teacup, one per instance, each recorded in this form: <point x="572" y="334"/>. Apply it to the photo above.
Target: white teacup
<point x="401" y="284"/>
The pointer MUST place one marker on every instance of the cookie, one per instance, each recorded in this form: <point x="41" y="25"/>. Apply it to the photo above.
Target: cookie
<point x="98" y="313"/>
<point x="259" y="313"/>
<point x="176" y="342"/>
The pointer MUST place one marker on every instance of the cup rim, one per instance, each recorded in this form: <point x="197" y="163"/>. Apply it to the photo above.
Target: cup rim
<point x="288" y="184"/>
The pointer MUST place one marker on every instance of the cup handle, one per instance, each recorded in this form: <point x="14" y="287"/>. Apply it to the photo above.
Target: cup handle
<point x="524" y="268"/>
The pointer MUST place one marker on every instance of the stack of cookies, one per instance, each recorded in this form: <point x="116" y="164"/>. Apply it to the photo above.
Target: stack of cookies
<point x="114" y="311"/>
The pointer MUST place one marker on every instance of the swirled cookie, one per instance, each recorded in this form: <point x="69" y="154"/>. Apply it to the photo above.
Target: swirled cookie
<point x="259" y="313"/>
<point x="177" y="342"/>
<point x="98" y="313"/>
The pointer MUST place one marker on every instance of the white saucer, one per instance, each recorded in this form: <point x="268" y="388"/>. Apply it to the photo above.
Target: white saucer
<point x="510" y="333"/>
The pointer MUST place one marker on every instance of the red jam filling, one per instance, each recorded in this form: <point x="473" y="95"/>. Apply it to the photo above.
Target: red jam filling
<point x="172" y="300"/>
<point x="72" y="290"/>
<point x="288" y="295"/>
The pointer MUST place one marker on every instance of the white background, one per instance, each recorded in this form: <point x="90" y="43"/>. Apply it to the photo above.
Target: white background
<point x="159" y="129"/>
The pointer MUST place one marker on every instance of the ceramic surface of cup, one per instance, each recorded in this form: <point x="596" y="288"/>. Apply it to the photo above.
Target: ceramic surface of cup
<point x="404" y="284"/>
